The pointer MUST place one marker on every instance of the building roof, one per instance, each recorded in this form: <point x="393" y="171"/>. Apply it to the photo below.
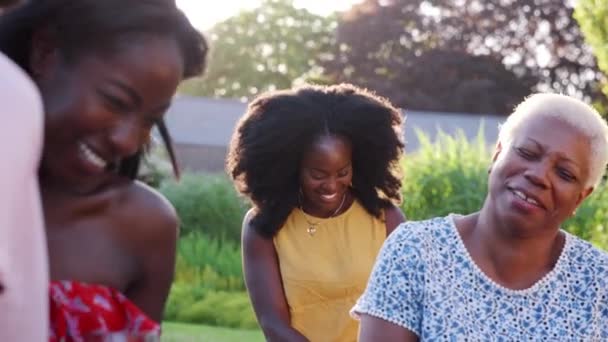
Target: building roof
<point x="210" y="122"/>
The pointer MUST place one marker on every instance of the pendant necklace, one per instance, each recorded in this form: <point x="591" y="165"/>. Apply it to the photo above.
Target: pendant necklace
<point x="312" y="226"/>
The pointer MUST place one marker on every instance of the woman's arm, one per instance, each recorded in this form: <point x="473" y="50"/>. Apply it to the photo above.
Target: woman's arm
<point x="374" y="329"/>
<point x="24" y="273"/>
<point x="153" y="233"/>
<point x="394" y="217"/>
<point x="263" y="280"/>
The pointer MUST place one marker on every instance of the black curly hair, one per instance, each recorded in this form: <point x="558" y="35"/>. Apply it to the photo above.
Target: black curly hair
<point x="270" y="139"/>
<point x="101" y="26"/>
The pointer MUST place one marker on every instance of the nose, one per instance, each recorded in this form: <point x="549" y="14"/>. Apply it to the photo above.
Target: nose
<point x="537" y="174"/>
<point x="330" y="186"/>
<point x="126" y="138"/>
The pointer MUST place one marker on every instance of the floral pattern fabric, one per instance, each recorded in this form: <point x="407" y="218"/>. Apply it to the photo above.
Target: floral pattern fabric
<point x="425" y="280"/>
<point x="82" y="312"/>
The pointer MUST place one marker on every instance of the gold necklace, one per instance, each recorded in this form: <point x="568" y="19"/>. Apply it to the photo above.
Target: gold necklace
<point x="312" y="226"/>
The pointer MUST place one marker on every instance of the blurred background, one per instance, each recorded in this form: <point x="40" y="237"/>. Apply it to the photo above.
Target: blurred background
<point x="470" y="59"/>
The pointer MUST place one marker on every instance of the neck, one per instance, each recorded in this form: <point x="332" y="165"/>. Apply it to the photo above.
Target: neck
<point x="514" y="258"/>
<point x="61" y="186"/>
<point x="312" y="209"/>
<point x="506" y="234"/>
<point x="62" y="208"/>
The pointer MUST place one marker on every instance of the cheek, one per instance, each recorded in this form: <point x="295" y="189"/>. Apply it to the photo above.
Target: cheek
<point x="69" y="106"/>
<point x="569" y="196"/>
<point x="65" y="113"/>
<point x="346" y="181"/>
<point x="307" y="184"/>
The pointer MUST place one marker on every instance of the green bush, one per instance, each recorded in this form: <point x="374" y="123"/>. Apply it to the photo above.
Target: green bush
<point x="208" y="286"/>
<point x="182" y="295"/>
<point x="206" y="204"/>
<point x="191" y="304"/>
<point x="446" y="176"/>
<point x="210" y="263"/>
<point x="591" y="219"/>
<point x="228" y="309"/>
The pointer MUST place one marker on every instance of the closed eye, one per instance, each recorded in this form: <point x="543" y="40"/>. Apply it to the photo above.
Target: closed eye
<point x="114" y="103"/>
<point x="525" y="153"/>
<point x="343" y="173"/>
<point x="316" y="176"/>
<point x="566" y="175"/>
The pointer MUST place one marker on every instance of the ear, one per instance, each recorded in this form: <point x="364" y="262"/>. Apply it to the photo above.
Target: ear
<point x="584" y="194"/>
<point x="44" y="54"/>
<point x="497" y="151"/>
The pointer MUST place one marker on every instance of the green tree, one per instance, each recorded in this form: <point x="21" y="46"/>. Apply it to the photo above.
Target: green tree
<point x="429" y="55"/>
<point x="269" y="47"/>
<point x="592" y="16"/>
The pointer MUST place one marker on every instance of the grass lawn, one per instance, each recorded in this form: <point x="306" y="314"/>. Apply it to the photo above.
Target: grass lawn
<point x="179" y="332"/>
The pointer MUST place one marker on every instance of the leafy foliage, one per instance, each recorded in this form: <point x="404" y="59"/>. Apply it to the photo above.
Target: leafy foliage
<point x="381" y="44"/>
<point x="446" y="176"/>
<point x="207" y="204"/>
<point x="266" y="48"/>
<point x="208" y="286"/>
<point x="592" y="16"/>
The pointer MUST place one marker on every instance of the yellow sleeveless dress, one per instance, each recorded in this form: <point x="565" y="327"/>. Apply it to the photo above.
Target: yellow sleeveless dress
<point x="325" y="273"/>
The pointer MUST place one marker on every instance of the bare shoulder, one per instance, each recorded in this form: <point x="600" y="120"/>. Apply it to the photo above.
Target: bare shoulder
<point x="248" y="233"/>
<point x="251" y="240"/>
<point x="393" y="217"/>
<point x="149" y="215"/>
<point x="247" y="219"/>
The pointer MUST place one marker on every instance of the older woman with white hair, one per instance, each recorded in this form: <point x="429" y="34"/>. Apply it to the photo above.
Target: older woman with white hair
<point x="508" y="271"/>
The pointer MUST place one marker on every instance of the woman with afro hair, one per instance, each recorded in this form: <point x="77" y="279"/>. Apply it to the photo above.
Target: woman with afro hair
<point x="320" y="165"/>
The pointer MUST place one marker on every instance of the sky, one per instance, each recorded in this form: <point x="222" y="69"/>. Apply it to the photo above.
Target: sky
<point x="203" y="15"/>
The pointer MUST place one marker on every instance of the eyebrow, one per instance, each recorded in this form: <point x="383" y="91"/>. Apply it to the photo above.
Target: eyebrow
<point x="340" y="169"/>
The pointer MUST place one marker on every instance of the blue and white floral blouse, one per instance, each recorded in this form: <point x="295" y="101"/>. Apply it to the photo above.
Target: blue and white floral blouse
<point x="425" y="280"/>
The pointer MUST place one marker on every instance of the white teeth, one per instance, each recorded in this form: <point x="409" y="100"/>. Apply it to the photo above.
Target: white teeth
<point x="91" y="156"/>
<point x="329" y="196"/>
<point x="519" y="194"/>
<point x="532" y="201"/>
<point x="524" y="197"/>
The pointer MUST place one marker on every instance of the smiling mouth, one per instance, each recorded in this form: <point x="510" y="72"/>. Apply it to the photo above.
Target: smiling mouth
<point x="523" y="196"/>
<point x="329" y="197"/>
<point x="91" y="156"/>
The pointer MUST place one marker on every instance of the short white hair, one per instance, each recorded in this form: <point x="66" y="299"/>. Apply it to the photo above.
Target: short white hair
<point x="573" y="112"/>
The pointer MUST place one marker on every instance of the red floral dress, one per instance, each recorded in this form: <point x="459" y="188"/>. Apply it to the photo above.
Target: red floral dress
<point x="86" y="313"/>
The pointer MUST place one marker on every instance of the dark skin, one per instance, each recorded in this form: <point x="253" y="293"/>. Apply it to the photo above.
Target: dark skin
<point x="103" y="228"/>
<point x="326" y="174"/>
<point x="536" y="182"/>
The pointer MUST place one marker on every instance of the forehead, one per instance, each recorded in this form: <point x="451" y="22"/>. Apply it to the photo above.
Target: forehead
<point x="556" y="136"/>
<point x="152" y="66"/>
<point x="328" y="152"/>
<point x="153" y="55"/>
